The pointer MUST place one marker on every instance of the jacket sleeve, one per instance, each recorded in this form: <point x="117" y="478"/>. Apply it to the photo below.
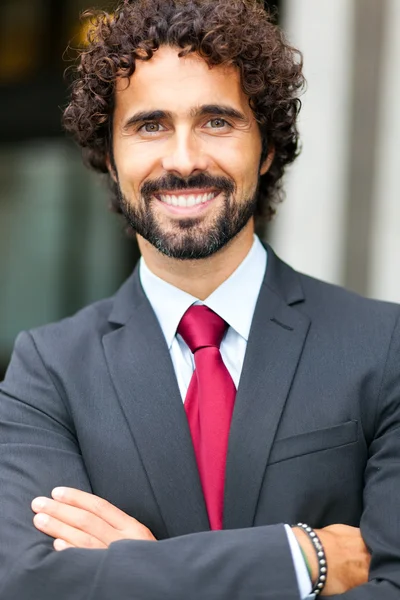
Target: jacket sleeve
<point x="39" y="451"/>
<point x="380" y="522"/>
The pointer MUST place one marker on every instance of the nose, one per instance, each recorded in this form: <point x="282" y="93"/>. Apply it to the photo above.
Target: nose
<point x="185" y="154"/>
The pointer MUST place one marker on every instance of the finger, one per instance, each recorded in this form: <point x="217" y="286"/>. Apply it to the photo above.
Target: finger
<point x="77" y="518"/>
<point x="57" y="529"/>
<point x="98" y="506"/>
<point x="59" y="544"/>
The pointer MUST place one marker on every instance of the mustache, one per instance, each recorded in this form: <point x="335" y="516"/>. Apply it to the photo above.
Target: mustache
<point x="173" y="183"/>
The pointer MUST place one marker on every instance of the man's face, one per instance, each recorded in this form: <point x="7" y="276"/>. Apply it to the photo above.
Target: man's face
<point x="186" y="151"/>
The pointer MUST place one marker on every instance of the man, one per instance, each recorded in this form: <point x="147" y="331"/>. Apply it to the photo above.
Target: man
<point x="218" y="389"/>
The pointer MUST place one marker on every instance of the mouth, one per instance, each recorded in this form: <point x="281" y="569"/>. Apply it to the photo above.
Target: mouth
<point x="187" y="201"/>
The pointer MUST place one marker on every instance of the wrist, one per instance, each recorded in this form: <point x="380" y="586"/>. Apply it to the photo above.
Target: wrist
<point x="320" y="583"/>
<point x="308" y="552"/>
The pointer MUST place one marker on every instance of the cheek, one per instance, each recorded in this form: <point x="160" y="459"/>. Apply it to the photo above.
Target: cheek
<point x="242" y="169"/>
<point x="240" y="156"/>
<point x="134" y="165"/>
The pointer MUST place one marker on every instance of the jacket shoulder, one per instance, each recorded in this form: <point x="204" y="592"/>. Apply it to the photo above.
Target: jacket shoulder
<point x="75" y="333"/>
<point x="334" y="302"/>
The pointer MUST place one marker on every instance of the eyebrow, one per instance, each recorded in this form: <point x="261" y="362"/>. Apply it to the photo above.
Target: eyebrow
<point x="201" y="111"/>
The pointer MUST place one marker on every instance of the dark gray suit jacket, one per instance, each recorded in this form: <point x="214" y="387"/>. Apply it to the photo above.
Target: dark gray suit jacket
<point x="92" y="402"/>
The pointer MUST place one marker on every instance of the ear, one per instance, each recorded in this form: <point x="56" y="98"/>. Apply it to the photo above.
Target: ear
<point x="111" y="171"/>
<point x="267" y="162"/>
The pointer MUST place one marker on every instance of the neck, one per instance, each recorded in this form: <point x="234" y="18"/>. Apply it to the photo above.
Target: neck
<point x="199" y="277"/>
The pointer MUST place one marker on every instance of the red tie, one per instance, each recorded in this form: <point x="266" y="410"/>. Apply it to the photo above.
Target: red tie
<point x="209" y="404"/>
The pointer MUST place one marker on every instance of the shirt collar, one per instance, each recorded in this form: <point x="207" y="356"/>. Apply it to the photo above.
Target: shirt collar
<point x="234" y="300"/>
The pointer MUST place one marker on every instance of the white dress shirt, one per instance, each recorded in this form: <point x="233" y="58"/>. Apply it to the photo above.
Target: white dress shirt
<point x="234" y="301"/>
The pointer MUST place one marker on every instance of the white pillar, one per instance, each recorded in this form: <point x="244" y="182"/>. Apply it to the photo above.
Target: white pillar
<point x="308" y="231"/>
<point x="385" y="229"/>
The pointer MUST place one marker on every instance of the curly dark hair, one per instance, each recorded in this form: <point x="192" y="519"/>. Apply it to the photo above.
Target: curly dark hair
<point x="232" y="32"/>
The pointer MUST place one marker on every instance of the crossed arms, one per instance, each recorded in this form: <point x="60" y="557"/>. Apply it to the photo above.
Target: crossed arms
<point x="37" y="451"/>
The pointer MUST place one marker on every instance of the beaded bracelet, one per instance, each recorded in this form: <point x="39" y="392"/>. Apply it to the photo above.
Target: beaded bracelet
<point x="322" y="566"/>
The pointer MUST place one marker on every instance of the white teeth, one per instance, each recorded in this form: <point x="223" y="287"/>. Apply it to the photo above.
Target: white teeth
<point x="187" y="201"/>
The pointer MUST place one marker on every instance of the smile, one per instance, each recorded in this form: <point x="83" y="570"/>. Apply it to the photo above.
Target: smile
<point x="186" y="200"/>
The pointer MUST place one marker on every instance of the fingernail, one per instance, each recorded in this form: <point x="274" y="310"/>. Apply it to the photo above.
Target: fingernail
<point x="60" y="544"/>
<point x="58" y="493"/>
<point x="39" y="503"/>
<point x="41" y="520"/>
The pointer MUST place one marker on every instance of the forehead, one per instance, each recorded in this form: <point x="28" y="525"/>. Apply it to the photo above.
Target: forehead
<point x="176" y="84"/>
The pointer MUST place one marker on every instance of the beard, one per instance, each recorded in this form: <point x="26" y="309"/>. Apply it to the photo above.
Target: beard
<point x="188" y="238"/>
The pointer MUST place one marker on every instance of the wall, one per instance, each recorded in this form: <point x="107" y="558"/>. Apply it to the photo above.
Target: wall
<point x="340" y="221"/>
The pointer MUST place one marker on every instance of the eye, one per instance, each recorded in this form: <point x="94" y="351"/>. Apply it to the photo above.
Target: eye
<point x="151" y="127"/>
<point x="218" y="123"/>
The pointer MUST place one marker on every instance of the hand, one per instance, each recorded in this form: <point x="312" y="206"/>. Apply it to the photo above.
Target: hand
<point x="77" y="519"/>
<point x="347" y="557"/>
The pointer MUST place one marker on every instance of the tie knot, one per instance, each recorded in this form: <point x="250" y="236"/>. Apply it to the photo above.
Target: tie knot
<point x="201" y="327"/>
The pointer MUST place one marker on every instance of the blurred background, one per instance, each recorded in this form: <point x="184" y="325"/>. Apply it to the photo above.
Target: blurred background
<point x="60" y="248"/>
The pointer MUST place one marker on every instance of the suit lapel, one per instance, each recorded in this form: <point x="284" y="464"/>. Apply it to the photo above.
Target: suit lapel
<point x="274" y="347"/>
<point x="143" y="376"/>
